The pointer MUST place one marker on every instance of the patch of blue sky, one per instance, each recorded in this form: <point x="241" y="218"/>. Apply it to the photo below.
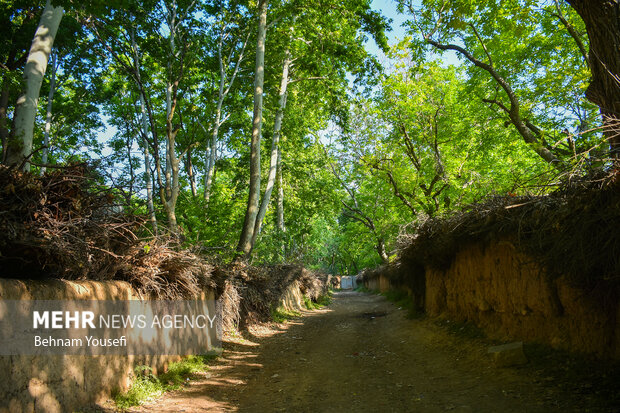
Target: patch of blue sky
<point x="399" y="31"/>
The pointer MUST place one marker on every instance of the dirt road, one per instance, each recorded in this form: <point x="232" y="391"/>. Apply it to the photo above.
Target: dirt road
<point x="362" y="354"/>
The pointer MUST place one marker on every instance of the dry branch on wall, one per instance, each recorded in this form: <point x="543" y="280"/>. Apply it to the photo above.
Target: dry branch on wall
<point x="157" y="270"/>
<point x="60" y="225"/>
<point x="572" y="232"/>
<point x="65" y="225"/>
<point x="249" y="294"/>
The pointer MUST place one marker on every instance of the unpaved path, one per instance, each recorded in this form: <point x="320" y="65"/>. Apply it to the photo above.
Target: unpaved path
<point x="361" y="354"/>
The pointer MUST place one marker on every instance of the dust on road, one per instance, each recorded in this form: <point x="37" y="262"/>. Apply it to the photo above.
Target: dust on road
<point x="360" y="354"/>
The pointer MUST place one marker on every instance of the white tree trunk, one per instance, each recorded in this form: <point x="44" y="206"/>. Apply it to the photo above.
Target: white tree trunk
<point x="20" y="145"/>
<point x="275" y="149"/>
<point x="280" y="223"/>
<point x="211" y="152"/>
<point x="245" y="242"/>
<point x="280" y="214"/>
<point x="190" y="173"/>
<point x="147" y="169"/>
<point x="48" y="116"/>
<point x="145" y="130"/>
<point x="172" y="15"/>
<point x="170" y="193"/>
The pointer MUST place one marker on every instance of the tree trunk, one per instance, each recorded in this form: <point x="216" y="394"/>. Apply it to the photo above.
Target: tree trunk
<point x="275" y="149"/>
<point x="280" y="218"/>
<point x="170" y="193"/>
<point x="216" y="127"/>
<point x="148" y="180"/>
<point x="48" y="116"/>
<point x="20" y="143"/>
<point x="172" y="16"/>
<point x="280" y="213"/>
<point x="381" y="250"/>
<point x="216" y="124"/>
<point x="145" y="129"/>
<point x="190" y="173"/>
<point x="603" y="27"/>
<point x="4" y="106"/>
<point x="245" y="242"/>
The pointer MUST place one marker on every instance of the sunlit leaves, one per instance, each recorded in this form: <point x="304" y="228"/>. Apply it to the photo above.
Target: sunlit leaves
<point x="528" y="45"/>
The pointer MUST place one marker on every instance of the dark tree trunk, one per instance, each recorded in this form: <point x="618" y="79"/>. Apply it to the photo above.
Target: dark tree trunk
<point x="4" y="129"/>
<point x="602" y="20"/>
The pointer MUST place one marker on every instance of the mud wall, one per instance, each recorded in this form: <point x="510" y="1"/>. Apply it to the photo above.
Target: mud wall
<point x="380" y="283"/>
<point x="507" y="294"/>
<point x="292" y="299"/>
<point x="68" y="382"/>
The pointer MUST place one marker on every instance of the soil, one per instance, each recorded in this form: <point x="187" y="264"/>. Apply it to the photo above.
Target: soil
<point x="363" y="354"/>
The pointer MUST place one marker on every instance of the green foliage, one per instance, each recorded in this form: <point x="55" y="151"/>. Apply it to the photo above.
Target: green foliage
<point x="180" y="372"/>
<point x="322" y="301"/>
<point x="366" y="147"/>
<point x="147" y="386"/>
<point x="531" y="49"/>
<point x="282" y="315"/>
<point x="419" y="149"/>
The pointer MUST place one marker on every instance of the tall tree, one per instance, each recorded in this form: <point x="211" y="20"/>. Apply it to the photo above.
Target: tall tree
<point x="19" y="146"/>
<point x="18" y="21"/>
<point x="275" y="144"/>
<point x="48" y="113"/>
<point x="603" y="27"/>
<point x="319" y="54"/>
<point x="148" y="181"/>
<point x="245" y="242"/>
<point x="228" y="67"/>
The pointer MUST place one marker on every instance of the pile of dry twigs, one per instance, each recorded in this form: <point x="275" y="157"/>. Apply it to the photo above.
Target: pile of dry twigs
<point x="66" y="225"/>
<point x="572" y="231"/>
<point x="61" y="225"/>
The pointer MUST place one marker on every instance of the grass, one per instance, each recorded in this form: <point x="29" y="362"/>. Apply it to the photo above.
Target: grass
<point x="321" y="302"/>
<point x="148" y="386"/>
<point x="145" y="387"/>
<point x="281" y="315"/>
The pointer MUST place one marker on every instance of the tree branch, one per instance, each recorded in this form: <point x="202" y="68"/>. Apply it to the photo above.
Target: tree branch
<point x="514" y="111"/>
<point x="572" y="32"/>
<point x="484" y="46"/>
<point x="357" y="215"/>
<point x="398" y="194"/>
